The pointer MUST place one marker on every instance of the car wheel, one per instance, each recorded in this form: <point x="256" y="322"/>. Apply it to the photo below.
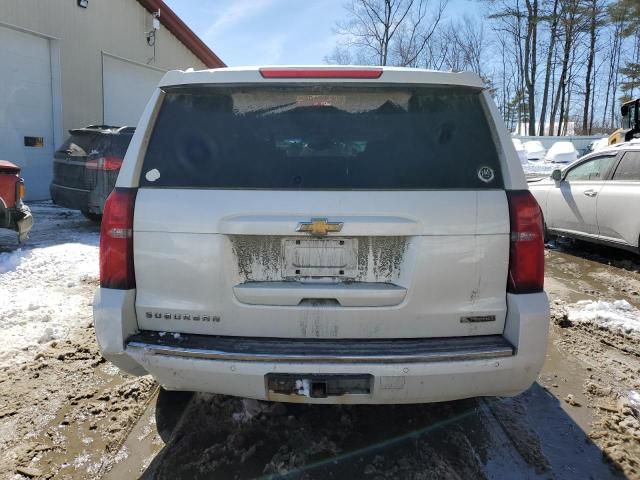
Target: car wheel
<point x="545" y="233"/>
<point x="169" y="409"/>
<point x="94" y="217"/>
<point x="546" y="237"/>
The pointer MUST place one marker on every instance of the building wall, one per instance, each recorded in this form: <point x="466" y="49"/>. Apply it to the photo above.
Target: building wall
<point x="80" y="35"/>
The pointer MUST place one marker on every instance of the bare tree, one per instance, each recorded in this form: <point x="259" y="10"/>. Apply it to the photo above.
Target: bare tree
<point x="385" y="32"/>
<point x="416" y="32"/>
<point x="553" y="36"/>
<point x="594" y="14"/>
<point x="467" y="45"/>
<point x="520" y="19"/>
<point x="340" y="56"/>
<point x="618" y="19"/>
<point x="570" y="22"/>
<point x="371" y="25"/>
<point x="531" y="60"/>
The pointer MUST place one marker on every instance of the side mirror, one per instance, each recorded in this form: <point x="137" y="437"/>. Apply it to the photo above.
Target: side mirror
<point x="624" y="110"/>
<point x="556" y="174"/>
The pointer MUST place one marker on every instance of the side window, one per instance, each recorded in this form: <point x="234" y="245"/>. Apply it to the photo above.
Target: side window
<point x="594" y="169"/>
<point x="628" y="168"/>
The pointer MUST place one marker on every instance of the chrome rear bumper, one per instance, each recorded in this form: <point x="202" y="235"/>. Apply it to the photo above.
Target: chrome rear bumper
<point x="243" y="349"/>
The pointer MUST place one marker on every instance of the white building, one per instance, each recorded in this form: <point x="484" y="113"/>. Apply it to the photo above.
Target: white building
<point x="70" y="63"/>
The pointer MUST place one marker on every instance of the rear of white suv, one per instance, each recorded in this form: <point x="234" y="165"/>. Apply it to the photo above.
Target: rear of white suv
<point x="323" y="235"/>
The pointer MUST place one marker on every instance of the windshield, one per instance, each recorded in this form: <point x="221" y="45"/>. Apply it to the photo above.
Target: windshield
<point x="321" y="138"/>
<point x="629" y="117"/>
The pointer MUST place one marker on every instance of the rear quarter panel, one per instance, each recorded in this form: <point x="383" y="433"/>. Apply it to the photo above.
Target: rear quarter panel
<point x="617" y="212"/>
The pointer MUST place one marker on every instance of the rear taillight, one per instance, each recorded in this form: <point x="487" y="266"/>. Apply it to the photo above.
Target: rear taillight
<point x="526" y="256"/>
<point x="320" y="72"/>
<point x="116" y="240"/>
<point x="104" y="163"/>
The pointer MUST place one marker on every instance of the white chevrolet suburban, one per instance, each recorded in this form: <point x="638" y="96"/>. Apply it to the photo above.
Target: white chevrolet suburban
<point x="323" y="235"/>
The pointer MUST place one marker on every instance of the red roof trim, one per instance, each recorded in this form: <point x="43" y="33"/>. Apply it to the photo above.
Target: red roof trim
<point x="176" y="26"/>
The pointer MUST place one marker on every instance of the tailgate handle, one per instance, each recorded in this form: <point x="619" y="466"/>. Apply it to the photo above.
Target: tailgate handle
<point x="304" y="294"/>
<point x="349" y="225"/>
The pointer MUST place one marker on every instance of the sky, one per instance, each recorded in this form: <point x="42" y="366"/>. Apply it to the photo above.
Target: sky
<point x="273" y="32"/>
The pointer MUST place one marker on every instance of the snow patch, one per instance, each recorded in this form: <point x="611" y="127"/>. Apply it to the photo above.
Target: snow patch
<point x="10" y="260"/>
<point x="539" y="167"/>
<point x="303" y="387"/>
<point x="618" y="315"/>
<point x="46" y="285"/>
<point x="250" y="408"/>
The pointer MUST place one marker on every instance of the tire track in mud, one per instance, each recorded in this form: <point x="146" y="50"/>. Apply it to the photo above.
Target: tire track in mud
<point x="528" y="436"/>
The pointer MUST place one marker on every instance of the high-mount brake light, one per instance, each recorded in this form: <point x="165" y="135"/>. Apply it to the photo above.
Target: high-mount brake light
<point x="116" y="240"/>
<point x="363" y="73"/>
<point x="526" y="255"/>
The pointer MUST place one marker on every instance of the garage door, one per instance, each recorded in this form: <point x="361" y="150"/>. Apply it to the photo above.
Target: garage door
<point x="127" y="88"/>
<point x="26" y="114"/>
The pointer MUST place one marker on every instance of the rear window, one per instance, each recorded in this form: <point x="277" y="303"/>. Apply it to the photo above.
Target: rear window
<point x="629" y="167"/>
<point x="120" y="143"/>
<point x="78" y="145"/>
<point x="322" y="137"/>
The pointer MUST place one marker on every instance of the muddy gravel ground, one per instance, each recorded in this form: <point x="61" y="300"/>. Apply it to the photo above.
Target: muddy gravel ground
<point x="64" y="413"/>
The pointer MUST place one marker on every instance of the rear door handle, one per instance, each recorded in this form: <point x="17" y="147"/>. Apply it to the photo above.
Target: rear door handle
<point x="590" y="193"/>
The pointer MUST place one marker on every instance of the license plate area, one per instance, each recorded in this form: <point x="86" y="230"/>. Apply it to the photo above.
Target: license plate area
<point x="320" y="257"/>
<point x="318" y="386"/>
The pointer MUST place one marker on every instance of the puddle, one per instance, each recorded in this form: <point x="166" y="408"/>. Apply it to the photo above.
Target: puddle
<point x="564" y="375"/>
<point x="573" y="278"/>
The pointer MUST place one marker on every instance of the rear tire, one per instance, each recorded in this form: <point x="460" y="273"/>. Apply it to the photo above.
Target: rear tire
<point x="94" y="217"/>
<point x="545" y="233"/>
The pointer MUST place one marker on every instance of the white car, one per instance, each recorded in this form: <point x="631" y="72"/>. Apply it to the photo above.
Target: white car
<point x="323" y="235"/>
<point x="596" y="198"/>
<point x="520" y="151"/>
<point x="561" y="152"/>
<point x="535" y="150"/>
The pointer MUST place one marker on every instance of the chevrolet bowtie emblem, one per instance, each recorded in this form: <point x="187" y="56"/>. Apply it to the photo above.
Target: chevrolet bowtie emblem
<point x="319" y="227"/>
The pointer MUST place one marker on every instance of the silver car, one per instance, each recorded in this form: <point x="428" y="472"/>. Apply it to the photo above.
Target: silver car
<point x="596" y="198"/>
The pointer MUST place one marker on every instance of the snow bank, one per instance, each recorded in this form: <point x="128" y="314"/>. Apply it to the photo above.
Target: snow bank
<point x="616" y="316"/>
<point x="10" y="260"/>
<point x="46" y="287"/>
